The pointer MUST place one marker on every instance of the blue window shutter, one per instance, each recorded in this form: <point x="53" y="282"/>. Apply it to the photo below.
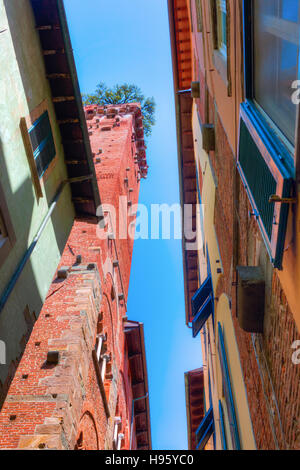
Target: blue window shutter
<point x="201" y="295"/>
<point x="228" y="390"/>
<point x="202" y="316"/>
<point x="222" y="426"/>
<point x="205" y="430"/>
<point x="260" y="164"/>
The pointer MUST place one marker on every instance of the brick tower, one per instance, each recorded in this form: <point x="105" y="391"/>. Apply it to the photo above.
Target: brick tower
<point x="82" y="381"/>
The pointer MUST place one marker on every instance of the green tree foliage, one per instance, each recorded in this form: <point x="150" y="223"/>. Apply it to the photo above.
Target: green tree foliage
<point x="120" y="94"/>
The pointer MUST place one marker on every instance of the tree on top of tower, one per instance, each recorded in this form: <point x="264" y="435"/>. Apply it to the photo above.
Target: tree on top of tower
<point x="120" y="94"/>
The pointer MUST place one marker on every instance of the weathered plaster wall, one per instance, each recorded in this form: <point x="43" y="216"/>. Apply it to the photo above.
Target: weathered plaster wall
<point x="23" y="87"/>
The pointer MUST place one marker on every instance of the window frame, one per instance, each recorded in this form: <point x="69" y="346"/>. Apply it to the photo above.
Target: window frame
<point x="221" y="60"/>
<point x="221" y="7"/>
<point x="270" y="128"/>
<point x="191" y="16"/>
<point x="199" y="15"/>
<point x="227" y="389"/>
<point x="272" y="153"/>
<point x="222" y="427"/>
<point x="26" y="123"/>
<point x="41" y="144"/>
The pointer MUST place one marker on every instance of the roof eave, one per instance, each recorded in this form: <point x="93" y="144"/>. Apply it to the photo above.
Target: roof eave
<point x="51" y="22"/>
<point x="188" y="412"/>
<point x="179" y="145"/>
<point x="75" y="81"/>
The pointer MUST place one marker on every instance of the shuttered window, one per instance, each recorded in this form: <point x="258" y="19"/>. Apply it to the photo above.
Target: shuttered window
<point x="228" y="390"/>
<point x="260" y="163"/>
<point x="268" y="116"/>
<point x="199" y="16"/>
<point x="222" y="427"/>
<point x="204" y="291"/>
<point x="203" y="315"/>
<point x="205" y="430"/>
<point x="202" y="305"/>
<point x="222" y="26"/>
<point x="42" y="143"/>
<point x="259" y="178"/>
<point x="191" y="15"/>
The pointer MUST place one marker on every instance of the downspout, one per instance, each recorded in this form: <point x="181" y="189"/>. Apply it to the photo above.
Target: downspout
<point x="11" y="284"/>
<point x="132" y="415"/>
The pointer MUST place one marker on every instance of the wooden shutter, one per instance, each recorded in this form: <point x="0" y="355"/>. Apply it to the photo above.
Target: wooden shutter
<point x="260" y="164"/>
<point x="205" y="430"/>
<point x="228" y="390"/>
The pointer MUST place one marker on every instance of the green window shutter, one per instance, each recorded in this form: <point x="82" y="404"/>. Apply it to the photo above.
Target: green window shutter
<point x="264" y="175"/>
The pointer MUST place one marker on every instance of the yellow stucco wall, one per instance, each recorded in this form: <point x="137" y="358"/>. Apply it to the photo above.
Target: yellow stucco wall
<point x="208" y="200"/>
<point x="211" y="361"/>
<point x="223" y="315"/>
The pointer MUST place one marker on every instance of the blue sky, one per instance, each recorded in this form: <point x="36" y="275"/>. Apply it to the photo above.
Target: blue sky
<point x="128" y="41"/>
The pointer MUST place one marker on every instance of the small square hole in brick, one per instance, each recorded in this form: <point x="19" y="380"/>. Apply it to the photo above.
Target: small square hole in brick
<point x="53" y="357"/>
<point x="12" y="417"/>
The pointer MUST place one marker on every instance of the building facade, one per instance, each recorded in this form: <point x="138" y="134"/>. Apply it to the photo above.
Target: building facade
<point x="235" y="75"/>
<point x="38" y="128"/>
<point x="194" y="398"/>
<point x="75" y="374"/>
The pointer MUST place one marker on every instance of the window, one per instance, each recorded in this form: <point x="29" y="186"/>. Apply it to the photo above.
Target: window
<point x="222" y="427"/>
<point x="199" y="16"/>
<point x="228" y="390"/>
<point x="191" y="15"/>
<point x="222" y="26"/>
<point x="205" y="430"/>
<point x="268" y="116"/>
<point x="219" y="25"/>
<point x="221" y="40"/>
<point x="202" y="305"/>
<point x="42" y="143"/>
<point x="275" y="55"/>
<point x="272" y="29"/>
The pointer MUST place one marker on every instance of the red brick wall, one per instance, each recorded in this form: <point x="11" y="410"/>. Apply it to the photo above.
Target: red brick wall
<point x="63" y="405"/>
<point x="271" y="379"/>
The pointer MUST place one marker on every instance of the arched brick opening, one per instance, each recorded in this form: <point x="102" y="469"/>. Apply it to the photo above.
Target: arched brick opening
<point x="87" y="433"/>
